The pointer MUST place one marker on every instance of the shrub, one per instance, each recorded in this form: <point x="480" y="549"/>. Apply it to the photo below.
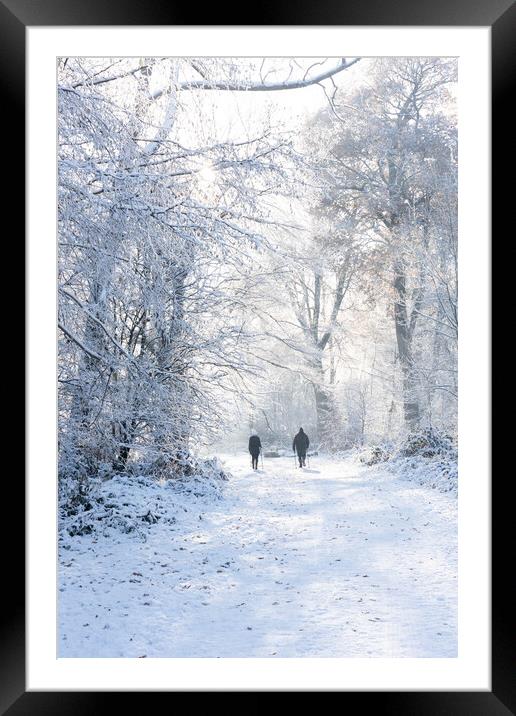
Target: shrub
<point x="375" y="454"/>
<point x="427" y="443"/>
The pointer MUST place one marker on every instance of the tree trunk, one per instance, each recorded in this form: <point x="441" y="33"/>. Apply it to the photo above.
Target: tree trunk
<point x="172" y="435"/>
<point x="404" y="341"/>
<point x="325" y="408"/>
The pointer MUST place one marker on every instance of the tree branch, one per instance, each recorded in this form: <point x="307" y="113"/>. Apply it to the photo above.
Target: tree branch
<point x="264" y="86"/>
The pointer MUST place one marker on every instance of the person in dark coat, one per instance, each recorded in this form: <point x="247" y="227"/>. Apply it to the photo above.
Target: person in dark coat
<point x="300" y="445"/>
<point x="255" y="446"/>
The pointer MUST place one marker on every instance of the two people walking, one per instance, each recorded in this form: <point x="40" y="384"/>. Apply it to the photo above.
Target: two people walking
<point x="300" y="445"/>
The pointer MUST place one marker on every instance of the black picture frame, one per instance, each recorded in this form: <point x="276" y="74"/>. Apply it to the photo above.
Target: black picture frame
<point x="500" y="16"/>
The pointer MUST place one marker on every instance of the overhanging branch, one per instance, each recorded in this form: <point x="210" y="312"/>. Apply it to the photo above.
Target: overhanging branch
<point x="206" y="84"/>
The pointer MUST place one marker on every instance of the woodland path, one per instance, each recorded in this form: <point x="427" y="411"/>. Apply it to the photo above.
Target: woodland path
<point x="334" y="560"/>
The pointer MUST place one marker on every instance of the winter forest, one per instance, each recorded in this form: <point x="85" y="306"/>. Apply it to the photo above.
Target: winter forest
<point x="247" y="246"/>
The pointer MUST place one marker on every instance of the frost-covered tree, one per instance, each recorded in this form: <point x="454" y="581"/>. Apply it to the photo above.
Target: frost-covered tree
<point x="156" y="241"/>
<point x="389" y="152"/>
<point x="217" y="269"/>
<point x="161" y="228"/>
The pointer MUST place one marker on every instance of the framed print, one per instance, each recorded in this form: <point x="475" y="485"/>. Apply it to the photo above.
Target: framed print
<point x="231" y="264"/>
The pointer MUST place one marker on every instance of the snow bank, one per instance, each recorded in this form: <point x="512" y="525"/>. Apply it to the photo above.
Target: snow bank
<point x="437" y="473"/>
<point x="428" y="458"/>
<point x="131" y="504"/>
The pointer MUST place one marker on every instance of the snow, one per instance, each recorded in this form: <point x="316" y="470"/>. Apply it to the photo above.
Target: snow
<point x="334" y="560"/>
<point x="439" y="471"/>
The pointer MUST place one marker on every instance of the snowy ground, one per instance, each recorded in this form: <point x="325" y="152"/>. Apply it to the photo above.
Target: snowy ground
<point x="335" y="560"/>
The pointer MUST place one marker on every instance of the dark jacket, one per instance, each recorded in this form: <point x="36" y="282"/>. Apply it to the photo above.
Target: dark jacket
<point x="254" y="445"/>
<point x="301" y="443"/>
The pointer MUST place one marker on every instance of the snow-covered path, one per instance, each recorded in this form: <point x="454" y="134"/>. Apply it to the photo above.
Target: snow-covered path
<point x="336" y="560"/>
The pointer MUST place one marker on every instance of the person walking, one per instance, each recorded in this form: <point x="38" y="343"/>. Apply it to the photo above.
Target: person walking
<point x="255" y="446"/>
<point x="300" y="445"/>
